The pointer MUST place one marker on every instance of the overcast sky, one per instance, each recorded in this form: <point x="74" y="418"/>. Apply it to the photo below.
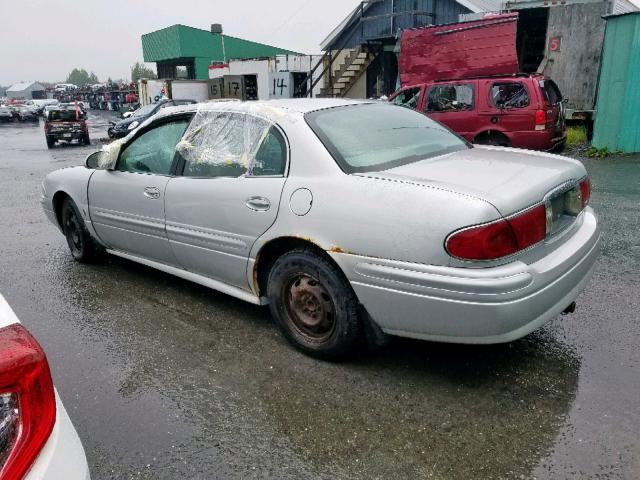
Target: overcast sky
<point x="46" y="39"/>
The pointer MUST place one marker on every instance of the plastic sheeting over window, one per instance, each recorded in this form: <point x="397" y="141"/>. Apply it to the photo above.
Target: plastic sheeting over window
<point x="109" y="155"/>
<point x="221" y="143"/>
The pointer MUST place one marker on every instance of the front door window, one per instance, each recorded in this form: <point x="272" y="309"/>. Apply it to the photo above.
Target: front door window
<point x="153" y="151"/>
<point x="408" y="98"/>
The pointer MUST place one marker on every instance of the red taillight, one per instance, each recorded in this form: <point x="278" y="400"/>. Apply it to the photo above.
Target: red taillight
<point x="585" y="191"/>
<point x="27" y="401"/>
<point x="541" y="119"/>
<point x="501" y="238"/>
<point x="47" y="127"/>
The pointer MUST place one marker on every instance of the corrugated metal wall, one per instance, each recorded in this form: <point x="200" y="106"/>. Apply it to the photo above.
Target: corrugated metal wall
<point x="618" y="105"/>
<point x="442" y="11"/>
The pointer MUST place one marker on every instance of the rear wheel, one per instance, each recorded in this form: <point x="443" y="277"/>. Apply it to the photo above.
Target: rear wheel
<point x="314" y="305"/>
<point x="492" y="138"/>
<point x="86" y="140"/>
<point x="82" y="246"/>
<point x="50" y="142"/>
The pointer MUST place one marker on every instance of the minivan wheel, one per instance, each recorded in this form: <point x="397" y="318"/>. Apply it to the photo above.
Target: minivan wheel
<point x="495" y="139"/>
<point x="82" y="246"/>
<point x="314" y="305"/>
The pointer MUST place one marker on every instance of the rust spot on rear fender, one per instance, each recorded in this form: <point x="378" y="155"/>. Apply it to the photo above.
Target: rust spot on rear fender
<point x="337" y="249"/>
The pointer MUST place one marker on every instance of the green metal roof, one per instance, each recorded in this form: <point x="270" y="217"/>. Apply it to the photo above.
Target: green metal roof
<point x="618" y="106"/>
<point x="181" y="41"/>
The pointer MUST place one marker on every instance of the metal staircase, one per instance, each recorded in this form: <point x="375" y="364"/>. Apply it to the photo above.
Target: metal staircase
<point x="348" y="73"/>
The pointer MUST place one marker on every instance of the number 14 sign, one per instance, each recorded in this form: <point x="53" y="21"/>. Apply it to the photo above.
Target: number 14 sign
<point x="281" y="85"/>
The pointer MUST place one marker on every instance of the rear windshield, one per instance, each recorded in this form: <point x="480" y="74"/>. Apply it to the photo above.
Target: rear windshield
<point x="551" y="92"/>
<point x="66" y="115"/>
<point x="373" y="137"/>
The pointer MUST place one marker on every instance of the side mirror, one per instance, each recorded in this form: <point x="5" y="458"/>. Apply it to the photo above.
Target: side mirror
<point x="92" y="161"/>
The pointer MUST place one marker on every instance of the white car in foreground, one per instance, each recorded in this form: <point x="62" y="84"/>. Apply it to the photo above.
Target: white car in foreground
<point x="37" y="439"/>
<point x="351" y="220"/>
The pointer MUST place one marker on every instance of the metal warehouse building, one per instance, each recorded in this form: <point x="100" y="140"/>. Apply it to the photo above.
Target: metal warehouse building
<point x="362" y="49"/>
<point x="26" y="91"/>
<point x="185" y="52"/>
<point x="618" y="106"/>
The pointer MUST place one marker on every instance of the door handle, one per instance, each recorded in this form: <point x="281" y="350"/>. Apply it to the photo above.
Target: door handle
<point x="152" y="193"/>
<point x="259" y="204"/>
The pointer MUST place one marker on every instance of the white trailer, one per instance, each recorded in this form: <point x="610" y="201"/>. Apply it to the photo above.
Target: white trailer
<point x="151" y="91"/>
<point x="263" y="79"/>
<point x="189" y="90"/>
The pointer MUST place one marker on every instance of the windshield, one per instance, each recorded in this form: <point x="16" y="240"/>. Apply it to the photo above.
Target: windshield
<point x="144" y="111"/>
<point x="373" y="137"/>
<point x="66" y="115"/>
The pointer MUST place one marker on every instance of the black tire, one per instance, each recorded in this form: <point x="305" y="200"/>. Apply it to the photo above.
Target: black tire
<point x="495" y="139"/>
<point x="50" y="142"/>
<point x="86" y="140"/>
<point x="313" y="305"/>
<point x="83" y="247"/>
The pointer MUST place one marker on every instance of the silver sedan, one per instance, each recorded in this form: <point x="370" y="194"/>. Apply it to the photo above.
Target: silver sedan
<point x="352" y="220"/>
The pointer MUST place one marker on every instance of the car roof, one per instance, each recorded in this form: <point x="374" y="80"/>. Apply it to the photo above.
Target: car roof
<point x="295" y="105"/>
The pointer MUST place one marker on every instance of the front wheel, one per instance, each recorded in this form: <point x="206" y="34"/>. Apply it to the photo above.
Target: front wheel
<point x="82" y="246"/>
<point x="314" y="305"/>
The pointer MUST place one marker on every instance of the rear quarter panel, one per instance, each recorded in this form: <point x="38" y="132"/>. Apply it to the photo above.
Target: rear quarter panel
<point x="368" y="216"/>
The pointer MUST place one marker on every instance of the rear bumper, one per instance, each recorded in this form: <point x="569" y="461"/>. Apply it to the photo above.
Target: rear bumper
<point x="474" y="305"/>
<point x="63" y="456"/>
<point x="540" y="140"/>
<point x="67" y="136"/>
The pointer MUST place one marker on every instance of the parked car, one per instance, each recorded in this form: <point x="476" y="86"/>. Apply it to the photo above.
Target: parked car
<point x="26" y="113"/>
<point x="37" y="439"/>
<point x="124" y="127"/>
<point x="68" y="122"/>
<point x="524" y="111"/>
<point x="5" y="114"/>
<point x="352" y="220"/>
<point x="48" y="108"/>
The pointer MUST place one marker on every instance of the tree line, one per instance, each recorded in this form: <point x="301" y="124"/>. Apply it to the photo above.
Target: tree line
<point x="82" y="78"/>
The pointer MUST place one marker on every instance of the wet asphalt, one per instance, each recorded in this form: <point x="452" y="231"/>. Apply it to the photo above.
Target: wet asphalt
<point x="165" y="379"/>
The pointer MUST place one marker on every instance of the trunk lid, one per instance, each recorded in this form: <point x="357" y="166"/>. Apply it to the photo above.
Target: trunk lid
<point x="509" y="179"/>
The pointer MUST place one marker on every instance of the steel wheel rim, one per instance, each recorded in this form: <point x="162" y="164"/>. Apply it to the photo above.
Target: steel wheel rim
<point x="310" y="309"/>
<point x="74" y="232"/>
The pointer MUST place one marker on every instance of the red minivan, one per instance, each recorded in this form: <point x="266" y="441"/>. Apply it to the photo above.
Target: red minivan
<point x="522" y="111"/>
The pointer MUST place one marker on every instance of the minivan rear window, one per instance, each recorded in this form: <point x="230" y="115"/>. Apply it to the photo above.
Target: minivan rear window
<point x="509" y="95"/>
<point x="551" y="92"/>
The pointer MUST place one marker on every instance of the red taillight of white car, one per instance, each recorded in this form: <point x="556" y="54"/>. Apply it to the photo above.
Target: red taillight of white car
<point x="27" y="401"/>
<point x="585" y="191"/>
<point x="511" y="235"/>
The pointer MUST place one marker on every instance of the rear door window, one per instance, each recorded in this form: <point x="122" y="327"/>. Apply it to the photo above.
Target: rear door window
<point x="408" y="98"/>
<point x="509" y="95"/>
<point x="226" y="144"/>
<point x="450" y="98"/>
<point x="551" y="92"/>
